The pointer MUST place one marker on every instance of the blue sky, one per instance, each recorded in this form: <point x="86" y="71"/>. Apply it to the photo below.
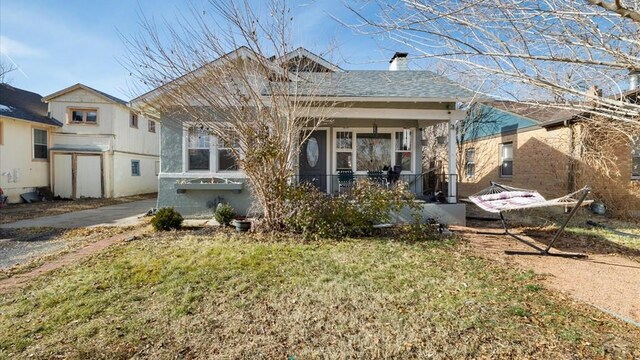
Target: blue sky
<point x="56" y="44"/>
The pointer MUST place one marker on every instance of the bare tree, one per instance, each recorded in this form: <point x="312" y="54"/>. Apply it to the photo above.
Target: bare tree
<point x="225" y="68"/>
<point x="5" y="69"/>
<point x="527" y="51"/>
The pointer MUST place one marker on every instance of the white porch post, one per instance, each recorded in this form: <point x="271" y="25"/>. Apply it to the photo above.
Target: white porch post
<point x="453" y="155"/>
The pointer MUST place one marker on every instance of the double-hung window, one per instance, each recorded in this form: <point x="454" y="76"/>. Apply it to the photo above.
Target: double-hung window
<point x="403" y="149"/>
<point x="206" y="153"/>
<point x="469" y="163"/>
<point x="40" y="145"/>
<point x="344" y="149"/>
<point x="635" y="157"/>
<point x="506" y="160"/>
<point x="152" y="126"/>
<point x="133" y="120"/>
<point x="135" y="167"/>
<point x="198" y="149"/>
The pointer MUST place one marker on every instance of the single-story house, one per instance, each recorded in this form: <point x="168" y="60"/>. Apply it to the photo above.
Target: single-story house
<point x="25" y="139"/>
<point x="375" y="126"/>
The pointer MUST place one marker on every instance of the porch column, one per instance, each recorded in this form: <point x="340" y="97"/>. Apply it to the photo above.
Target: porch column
<point x="456" y="115"/>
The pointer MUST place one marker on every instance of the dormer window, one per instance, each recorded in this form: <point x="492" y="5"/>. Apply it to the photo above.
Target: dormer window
<point x="83" y="116"/>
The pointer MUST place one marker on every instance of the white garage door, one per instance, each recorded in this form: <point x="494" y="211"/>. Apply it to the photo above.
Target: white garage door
<point x="88" y="175"/>
<point x="62" y="176"/>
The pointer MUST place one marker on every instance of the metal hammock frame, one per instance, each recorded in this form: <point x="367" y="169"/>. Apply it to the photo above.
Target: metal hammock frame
<point x="574" y="200"/>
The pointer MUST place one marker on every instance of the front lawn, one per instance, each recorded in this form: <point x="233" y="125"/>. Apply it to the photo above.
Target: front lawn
<point x="187" y="295"/>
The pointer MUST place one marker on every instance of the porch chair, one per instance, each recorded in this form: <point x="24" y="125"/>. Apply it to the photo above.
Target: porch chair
<point x="345" y="180"/>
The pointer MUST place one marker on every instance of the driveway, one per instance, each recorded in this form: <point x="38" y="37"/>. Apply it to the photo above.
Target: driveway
<point x="113" y="215"/>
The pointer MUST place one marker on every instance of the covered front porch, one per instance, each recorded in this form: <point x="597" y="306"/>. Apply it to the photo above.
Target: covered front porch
<point x="385" y="149"/>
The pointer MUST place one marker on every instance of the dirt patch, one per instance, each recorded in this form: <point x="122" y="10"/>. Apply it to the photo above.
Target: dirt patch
<point x="16" y="212"/>
<point x="607" y="279"/>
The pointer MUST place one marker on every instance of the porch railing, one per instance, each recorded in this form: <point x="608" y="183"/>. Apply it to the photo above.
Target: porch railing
<point x="427" y="186"/>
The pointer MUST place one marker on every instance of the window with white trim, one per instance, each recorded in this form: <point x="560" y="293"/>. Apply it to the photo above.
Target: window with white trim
<point x="403" y="149"/>
<point x="135" y="167"/>
<point x="362" y="150"/>
<point x="635" y="157"/>
<point x="198" y="147"/>
<point x="207" y="153"/>
<point x="133" y="120"/>
<point x="470" y="163"/>
<point x="152" y="126"/>
<point x="344" y="150"/>
<point x="506" y="159"/>
<point x="40" y="145"/>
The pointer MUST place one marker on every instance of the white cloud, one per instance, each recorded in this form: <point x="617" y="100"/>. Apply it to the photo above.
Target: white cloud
<point x="17" y="49"/>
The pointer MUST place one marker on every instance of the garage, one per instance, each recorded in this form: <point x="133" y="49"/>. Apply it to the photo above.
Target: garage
<point x="77" y="175"/>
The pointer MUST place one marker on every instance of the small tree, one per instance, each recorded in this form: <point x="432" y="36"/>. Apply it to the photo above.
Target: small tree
<point x="253" y="98"/>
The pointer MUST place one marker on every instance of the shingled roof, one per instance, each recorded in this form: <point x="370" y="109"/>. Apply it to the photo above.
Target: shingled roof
<point x="425" y="85"/>
<point x="24" y="105"/>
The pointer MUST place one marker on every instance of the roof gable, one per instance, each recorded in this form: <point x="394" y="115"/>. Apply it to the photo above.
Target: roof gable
<point x="98" y="93"/>
<point x="306" y="61"/>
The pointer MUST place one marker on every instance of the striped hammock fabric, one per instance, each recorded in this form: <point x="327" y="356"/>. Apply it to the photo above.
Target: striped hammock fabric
<point x="498" y="198"/>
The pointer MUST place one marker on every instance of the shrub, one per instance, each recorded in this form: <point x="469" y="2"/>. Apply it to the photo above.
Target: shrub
<point x="316" y="214"/>
<point x="167" y="219"/>
<point x="224" y="214"/>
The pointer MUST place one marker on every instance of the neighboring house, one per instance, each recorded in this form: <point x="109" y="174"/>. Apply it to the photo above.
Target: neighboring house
<point x="25" y="138"/>
<point x="103" y="149"/>
<point x="378" y="124"/>
<point x="538" y="147"/>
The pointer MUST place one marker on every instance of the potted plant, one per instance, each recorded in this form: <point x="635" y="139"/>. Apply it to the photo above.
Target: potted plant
<point x="242" y="224"/>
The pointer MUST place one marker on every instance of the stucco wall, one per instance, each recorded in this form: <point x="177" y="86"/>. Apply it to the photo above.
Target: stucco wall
<point x="16" y="156"/>
<point x="200" y="203"/>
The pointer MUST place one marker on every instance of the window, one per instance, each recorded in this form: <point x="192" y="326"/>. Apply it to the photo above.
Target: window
<point x="403" y="149"/>
<point x="363" y="150"/>
<point x="470" y="164"/>
<point x="133" y="120"/>
<point x="135" y="167"/>
<point x="506" y="160"/>
<point x="84" y="116"/>
<point x="198" y="148"/>
<point x="372" y="151"/>
<point x="635" y="157"/>
<point x="344" y="148"/>
<point x="226" y="160"/>
<point x="152" y="126"/>
<point x="40" y="144"/>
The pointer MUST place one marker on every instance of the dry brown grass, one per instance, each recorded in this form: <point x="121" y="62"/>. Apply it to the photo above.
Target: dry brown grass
<point x="189" y="294"/>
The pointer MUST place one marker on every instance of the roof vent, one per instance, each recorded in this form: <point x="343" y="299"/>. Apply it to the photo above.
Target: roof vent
<point x="398" y="62"/>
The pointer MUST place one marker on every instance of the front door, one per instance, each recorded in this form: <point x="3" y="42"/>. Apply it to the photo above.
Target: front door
<point x="313" y="160"/>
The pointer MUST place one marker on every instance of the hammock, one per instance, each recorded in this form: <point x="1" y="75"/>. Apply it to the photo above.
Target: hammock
<point x="499" y="198"/>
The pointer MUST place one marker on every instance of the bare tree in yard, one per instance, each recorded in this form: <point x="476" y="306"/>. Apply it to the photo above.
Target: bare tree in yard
<point x="248" y="98"/>
<point x="552" y="50"/>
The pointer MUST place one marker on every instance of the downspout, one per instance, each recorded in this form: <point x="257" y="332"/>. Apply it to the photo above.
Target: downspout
<point x="571" y="176"/>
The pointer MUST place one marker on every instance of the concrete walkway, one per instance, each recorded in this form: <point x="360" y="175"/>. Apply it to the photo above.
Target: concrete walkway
<point x="126" y="214"/>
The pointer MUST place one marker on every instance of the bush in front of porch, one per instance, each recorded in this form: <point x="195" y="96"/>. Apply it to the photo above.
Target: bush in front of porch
<point x="314" y="214"/>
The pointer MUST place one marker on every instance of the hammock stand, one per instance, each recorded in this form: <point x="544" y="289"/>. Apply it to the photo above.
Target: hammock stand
<point x="499" y="198"/>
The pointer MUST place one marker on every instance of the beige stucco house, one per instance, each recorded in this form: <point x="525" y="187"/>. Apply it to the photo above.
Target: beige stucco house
<point x="25" y="137"/>
<point x="103" y="148"/>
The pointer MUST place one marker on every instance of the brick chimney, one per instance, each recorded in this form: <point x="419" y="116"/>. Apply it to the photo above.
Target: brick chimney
<point x="398" y="62"/>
